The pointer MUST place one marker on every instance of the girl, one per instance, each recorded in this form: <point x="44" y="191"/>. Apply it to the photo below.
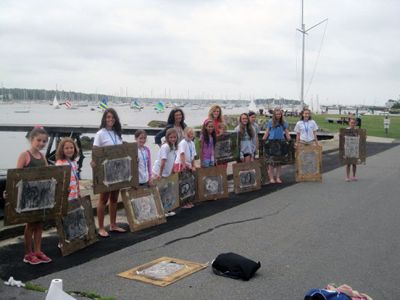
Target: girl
<point x="246" y="138"/>
<point x="144" y="163"/>
<point x="215" y="114"/>
<point x="276" y="129"/>
<point x="67" y="152"/>
<point x="166" y="156"/>
<point x="252" y="119"/>
<point x="176" y="120"/>
<point x="110" y="134"/>
<point x="352" y="125"/>
<point x="186" y="152"/>
<point x="306" y="129"/>
<point x="30" y="159"/>
<point x="207" y="142"/>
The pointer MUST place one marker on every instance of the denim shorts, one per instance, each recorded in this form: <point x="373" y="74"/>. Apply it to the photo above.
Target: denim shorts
<point x="207" y="163"/>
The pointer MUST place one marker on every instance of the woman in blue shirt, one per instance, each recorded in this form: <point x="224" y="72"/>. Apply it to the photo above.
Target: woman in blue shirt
<point x="276" y="129"/>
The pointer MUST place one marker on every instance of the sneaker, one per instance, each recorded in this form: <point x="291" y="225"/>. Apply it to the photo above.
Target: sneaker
<point x="354" y="178"/>
<point x="170" y="214"/>
<point x="43" y="257"/>
<point x="347" y="179"/>
<point x="31" y="259"/>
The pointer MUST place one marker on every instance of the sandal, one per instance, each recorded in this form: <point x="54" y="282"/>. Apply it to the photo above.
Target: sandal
<point x="103" y="233"/>
<point x="117" y="229"/>
<point x="278" y="180"/>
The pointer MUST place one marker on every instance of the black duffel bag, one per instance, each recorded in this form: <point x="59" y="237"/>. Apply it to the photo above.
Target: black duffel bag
<point x="235" y="266"/>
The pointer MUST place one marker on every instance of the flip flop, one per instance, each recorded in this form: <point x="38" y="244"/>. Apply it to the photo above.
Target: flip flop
<point x="117" y="230"/>
<point x="104" y="236"/>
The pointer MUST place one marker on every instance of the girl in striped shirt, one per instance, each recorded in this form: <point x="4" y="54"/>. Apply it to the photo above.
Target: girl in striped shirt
<point x="66" y="154"/>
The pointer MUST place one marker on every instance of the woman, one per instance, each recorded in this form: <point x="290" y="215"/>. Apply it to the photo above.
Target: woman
<point x="176" y="120"/>
<point x="215" y="114"/>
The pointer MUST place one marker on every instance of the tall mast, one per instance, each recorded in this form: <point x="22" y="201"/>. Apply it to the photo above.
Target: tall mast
<point x="304" y="31"/>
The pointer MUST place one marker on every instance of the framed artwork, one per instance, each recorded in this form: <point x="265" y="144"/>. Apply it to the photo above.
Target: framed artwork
<point x="308" y="162"/>
<point x="163" y="271"/>
<point x="36" y="194"/>
<point x="116" y="167"/>
<point x="264" y="171"/>
<point x="226" y="148"/>
<point x="77" y="229"/>
<point x="277" y="151"/>
<point x="168" y="187"/>
<point x="143" y="207"/>
<point x="187" y="186"/>
<point x="246" y="177"/>
<point x="212" y="183"/>
<point x="352" y="146"/>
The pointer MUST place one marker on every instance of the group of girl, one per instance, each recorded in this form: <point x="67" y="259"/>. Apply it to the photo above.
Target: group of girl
<point x="176" y="154"/>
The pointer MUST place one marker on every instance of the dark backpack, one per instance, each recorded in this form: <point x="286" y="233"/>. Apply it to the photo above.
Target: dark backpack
<point x="235" y="266"/>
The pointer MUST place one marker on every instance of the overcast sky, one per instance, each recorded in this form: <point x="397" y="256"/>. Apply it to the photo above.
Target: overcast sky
<point x="203" y="48"/>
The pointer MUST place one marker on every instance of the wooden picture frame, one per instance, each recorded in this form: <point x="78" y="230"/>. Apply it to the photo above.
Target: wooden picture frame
<point x="187" y="186"/>
<point x="279" y="151"/>
<point x="163" y="271"/>
<point x="36" y="194"/>
<point x="226" y="148"/>
<point x="264" y="178"/>
<point x="168" y="187"/>
<point x="246" y="177"/>
<point x="80" y="218"/>
<point x="308" y="162"/>
<point x="212" y="183"/>
<point x="143" y="207"/>
<point x="116" y="167"/>
<point x="352" y="146"/>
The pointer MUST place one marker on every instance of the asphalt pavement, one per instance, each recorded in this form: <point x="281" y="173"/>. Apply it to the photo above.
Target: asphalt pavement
<point x="305" y="235"/>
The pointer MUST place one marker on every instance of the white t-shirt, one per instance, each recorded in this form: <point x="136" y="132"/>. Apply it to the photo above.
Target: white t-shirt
<point x="106" y="137"/>
<point x="306" y="130"/>
<point x="188" y="148"/>
<point x="143" y="165"/>
<point x="168" y="154"/>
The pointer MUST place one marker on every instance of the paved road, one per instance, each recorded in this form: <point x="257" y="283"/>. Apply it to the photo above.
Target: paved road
<point x="305" y="235"/>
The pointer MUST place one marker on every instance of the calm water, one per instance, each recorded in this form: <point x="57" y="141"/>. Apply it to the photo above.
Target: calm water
<point x="13" y="143"/>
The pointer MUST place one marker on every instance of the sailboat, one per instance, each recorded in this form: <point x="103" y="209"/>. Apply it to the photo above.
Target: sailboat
<point x="56" y="105"/>
<point x="69" y="105"/>
<point x="136" y="105"/>
<point x="252" y="106"/>
<point x="159" y="107"/>
<point x="103" y="105"/>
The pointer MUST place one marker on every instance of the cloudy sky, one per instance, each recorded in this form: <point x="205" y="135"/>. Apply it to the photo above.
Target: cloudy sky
<point x="237" y="49"/>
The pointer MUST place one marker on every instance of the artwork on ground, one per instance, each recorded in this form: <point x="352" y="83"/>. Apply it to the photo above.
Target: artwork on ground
<point x="351" y="146"/>
<point x="163" y="271"/>
<point x="247" y="178"/>
<point x="213" y="185"/>
<point x="115" y="167"/>
<point x="187" y="186"/>
<point x="74" y="224"/>
<point x="36" y="195"/>
<point x="226" y="148"/>
<point x="117" y="170"/>
<point x="144" y="209"/>
<point x="169" y="192"/>
<point x="77" y="229"/>
<point x="308" y="162"/>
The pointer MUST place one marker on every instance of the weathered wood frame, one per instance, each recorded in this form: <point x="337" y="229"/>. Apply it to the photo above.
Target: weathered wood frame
<point x="248" y="166"/>
<point x="173" y="178"/>
<point x="69" y="247"/>
<point x="132" y="193"/>
<point x="101" y="154"/>
<point x="183" y="176"/>
<point x="304" y="148"/>
<point x="202" y="173"/>
<point x="61" y="174"/>
<point x="362" y="133"/>
<point x="283" y="160"/>
<point x="190" y="268"/>
<point x="233" y="137"/>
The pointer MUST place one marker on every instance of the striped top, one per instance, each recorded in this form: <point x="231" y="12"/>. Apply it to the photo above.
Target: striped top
<point x="74" y="181"/>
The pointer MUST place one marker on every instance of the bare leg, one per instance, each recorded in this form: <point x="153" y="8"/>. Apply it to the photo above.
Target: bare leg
<point x="28" y="237"/>
<point x="354" y="170"/>
<point x="101" y="205"/>
<point x="37" y="236"/>
<point x="271" y="174"/>
<point x="347" y="172"/>
<point x="278" y="173"/>
<point x="113" y="212"/>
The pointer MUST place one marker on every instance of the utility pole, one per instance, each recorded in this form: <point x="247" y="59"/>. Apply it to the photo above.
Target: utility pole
<point x="304" y="31"/>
